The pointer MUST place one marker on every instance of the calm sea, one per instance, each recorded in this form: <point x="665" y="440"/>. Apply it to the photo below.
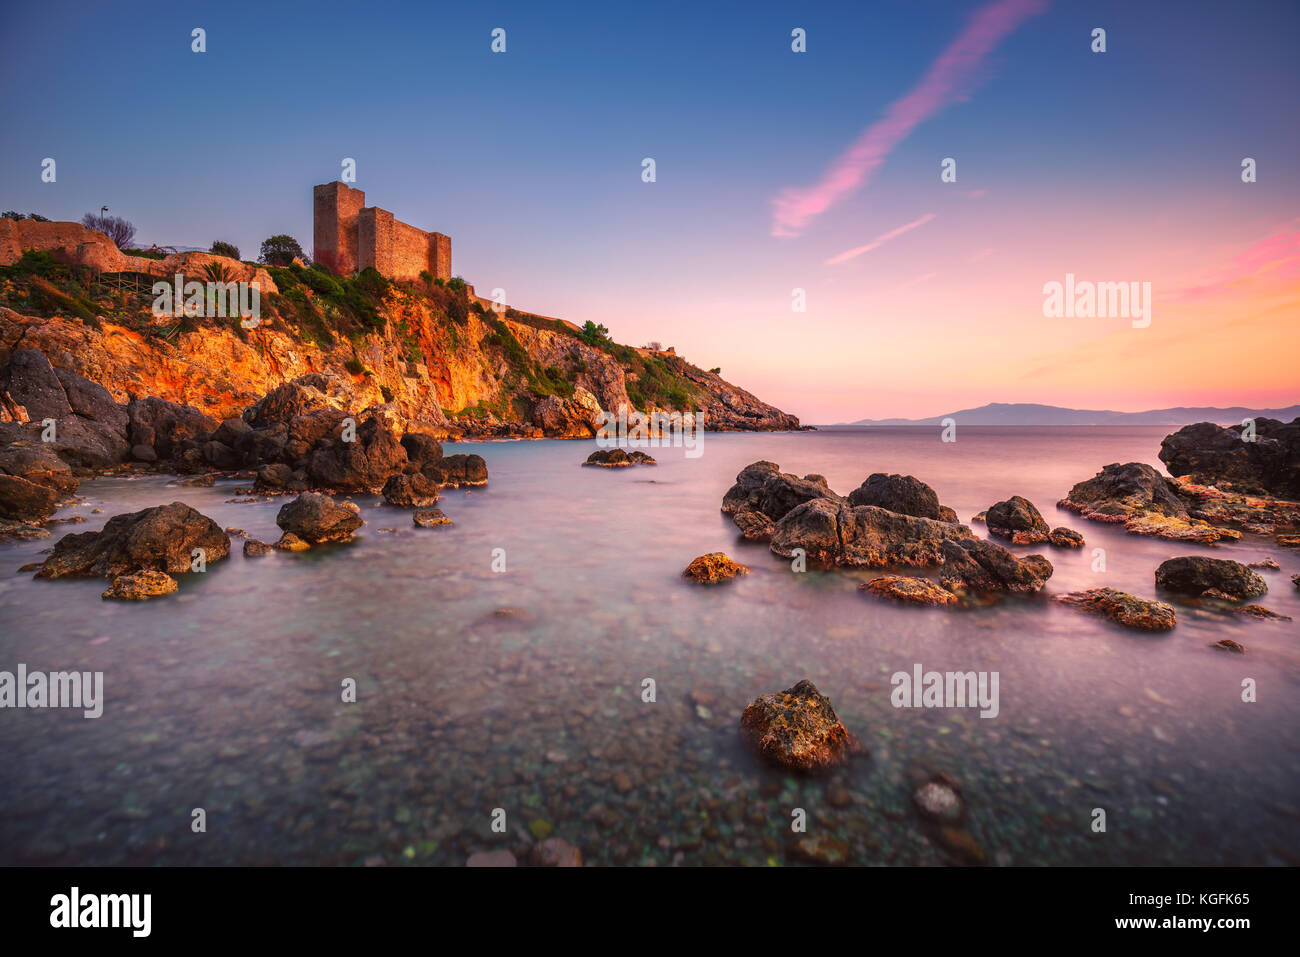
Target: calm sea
<point x="521" y="690"/>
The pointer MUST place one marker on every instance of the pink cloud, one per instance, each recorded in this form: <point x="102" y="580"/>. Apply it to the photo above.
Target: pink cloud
<point x="1270" y="261"/>
<point x="878" y="241"/>
<point x="945" y="82"/>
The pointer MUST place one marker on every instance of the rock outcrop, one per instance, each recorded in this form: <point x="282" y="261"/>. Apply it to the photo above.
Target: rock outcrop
<point x="317" y="519"/>
<point x="1017" y="519"/>
<point x="797" y="729"/>
<point x="140" y="586"/>
<point x="163" y="538"/>
<point x="831" y="532"/>
<point x="911" y="591"/>
<point x="978" y="565"/>
<point x="618" y="458"/>
<point x="1122" y="608"/>
<point x="903" y="494"/>
<point x="1209" y="577"/>
<point x="1142" y="500"/>
<point x="571" y="418"/>
<point x="411" y="491"/>
<point x="763" y="488"/>
<point x="713" y="568"/>
<point x="1265" y="462"/>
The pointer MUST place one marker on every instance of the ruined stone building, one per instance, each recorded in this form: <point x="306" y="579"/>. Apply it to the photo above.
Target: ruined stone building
<point x="348" y="236"/>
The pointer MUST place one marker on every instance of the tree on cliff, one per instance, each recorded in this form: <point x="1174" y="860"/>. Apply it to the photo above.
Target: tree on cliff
<point x="593" y="334"/>
<point x="114" y="227"/>
<point x="220" y="248"/>
<point x="280" y="251"/>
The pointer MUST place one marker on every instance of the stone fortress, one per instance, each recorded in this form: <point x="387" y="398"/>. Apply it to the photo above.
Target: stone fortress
<point x="348" y="236"/>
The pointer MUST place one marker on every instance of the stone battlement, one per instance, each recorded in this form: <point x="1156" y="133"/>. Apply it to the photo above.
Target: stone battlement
<point x="348" y="236"/>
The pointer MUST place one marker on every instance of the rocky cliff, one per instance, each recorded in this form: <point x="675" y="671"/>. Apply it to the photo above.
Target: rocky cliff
<point x="430" y="351"/>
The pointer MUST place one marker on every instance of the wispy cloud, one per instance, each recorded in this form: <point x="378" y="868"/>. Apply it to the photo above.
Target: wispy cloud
<point x="878" y="241"/>
<point x="1270" y="263"/>
<point x="924" y="277"/>
<point x="947" y="80"/>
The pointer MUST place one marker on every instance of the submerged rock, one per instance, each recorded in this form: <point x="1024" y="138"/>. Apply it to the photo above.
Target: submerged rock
<point x="317" y="518"/>
<point x="429" y="518"/>
<point x="162" y="538"/>
<point x="140" y="586"/>
<point x="554" y="852"/>
<point x="915" y="591"/>
<point x="1195" y="576"/>
<point x="1066" y="538"/>
<point x="714" y="567"/>
<point x="1123" y="608"/>
<point x="1268" y="564"/>
<point x="820" y="849"/>
<point x="1227" y="644"/>
<point x="797" y="728"/>
<point x="903" y="494"/>
<point x="1260" y="612"/>
<point x="500" y="858"/>
<point x="253" y="548"/>
<point x="289" y="542"/>
<point x="940" y="800"/>
<point x="1017" y="520"/>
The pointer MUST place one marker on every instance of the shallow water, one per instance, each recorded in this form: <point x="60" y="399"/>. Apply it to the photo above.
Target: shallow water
<point x="226" y="696"/>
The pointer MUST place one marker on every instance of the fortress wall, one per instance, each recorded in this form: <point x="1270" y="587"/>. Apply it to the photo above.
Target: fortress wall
<point x="335" y="211"/>
<point x="350" y="236"/>
<point x="440" y="255"/>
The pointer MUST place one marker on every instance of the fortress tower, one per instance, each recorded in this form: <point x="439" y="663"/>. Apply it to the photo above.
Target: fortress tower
<point x="348" y="236"/>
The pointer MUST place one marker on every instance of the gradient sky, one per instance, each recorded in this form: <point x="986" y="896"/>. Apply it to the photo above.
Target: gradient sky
<point x="775" y="170"/>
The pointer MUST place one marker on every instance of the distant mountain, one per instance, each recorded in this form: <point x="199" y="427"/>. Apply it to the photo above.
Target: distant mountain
<point x="1023" y="413"/>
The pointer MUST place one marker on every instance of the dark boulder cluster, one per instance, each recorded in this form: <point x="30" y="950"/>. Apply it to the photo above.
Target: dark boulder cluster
<point x="1018" y="521"/>
<point x="1264" y="461"/>
<point x="298" y="437"/>
<point x="803" y="516"/>
<point x="1142" y="500"/>
<point x="57" y="428"/>
<point x="618" y="458"/>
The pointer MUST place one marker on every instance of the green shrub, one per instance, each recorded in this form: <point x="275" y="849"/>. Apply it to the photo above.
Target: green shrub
<point x="220" y="248"/>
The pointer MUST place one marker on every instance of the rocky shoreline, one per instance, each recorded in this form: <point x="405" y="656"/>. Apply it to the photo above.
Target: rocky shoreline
<point x="301" y="441"/>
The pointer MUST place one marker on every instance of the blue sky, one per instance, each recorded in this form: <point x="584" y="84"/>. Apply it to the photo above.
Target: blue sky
<point x="531" y="160"/>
